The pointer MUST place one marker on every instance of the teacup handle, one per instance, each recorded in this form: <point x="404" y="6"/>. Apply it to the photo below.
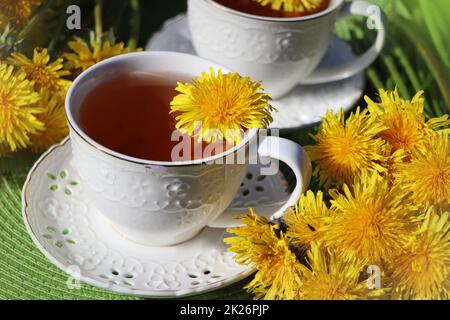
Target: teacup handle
<point x="296" y="158"/>
<point x="344" y="71"/>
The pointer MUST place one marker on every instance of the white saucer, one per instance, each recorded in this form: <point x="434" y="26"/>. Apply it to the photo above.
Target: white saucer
<point x="73" y="235"/>
<point x="305" y="104"/>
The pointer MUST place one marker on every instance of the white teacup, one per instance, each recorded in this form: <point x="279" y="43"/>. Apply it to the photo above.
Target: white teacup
<point x="281" y="52"/>
<point x="164" y="203"/>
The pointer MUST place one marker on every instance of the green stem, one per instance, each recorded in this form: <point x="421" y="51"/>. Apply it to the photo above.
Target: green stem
<point x="374" y="78"/>
<point x="59" y="28"/>
<point x="118" y="21"/>
<point x="398" y="80"/>
<point x="429" y="57"/>
<point x="98" y="20"/>
<point x="135" y="24"/>
<point x="408" y="68"/>
<point x="36" y="17"/>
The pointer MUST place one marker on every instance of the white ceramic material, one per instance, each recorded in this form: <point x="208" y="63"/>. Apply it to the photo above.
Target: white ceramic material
<point x="75" y="236"/>
<point x="164" y="203"/>
<point x="302" y="106"/>
<point x="281" y="52"/>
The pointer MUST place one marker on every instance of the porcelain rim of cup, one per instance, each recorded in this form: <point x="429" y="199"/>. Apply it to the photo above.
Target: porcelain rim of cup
<point x="249" y="136"/>
<point x="332" y="7"/>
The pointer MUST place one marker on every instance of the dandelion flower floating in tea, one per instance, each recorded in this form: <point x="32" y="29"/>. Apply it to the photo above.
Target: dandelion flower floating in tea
<point x="299" y="6"/>
<point x="223" y="105"/>
<point x="18" y="110"/>
<point x="45" y="75"/>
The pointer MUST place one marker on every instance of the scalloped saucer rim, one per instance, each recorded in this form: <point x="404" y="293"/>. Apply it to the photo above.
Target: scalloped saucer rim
<point x="209" y="256"/>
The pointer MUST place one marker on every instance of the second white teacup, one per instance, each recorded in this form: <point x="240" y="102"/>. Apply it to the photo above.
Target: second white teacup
<point x="281" y="52"/>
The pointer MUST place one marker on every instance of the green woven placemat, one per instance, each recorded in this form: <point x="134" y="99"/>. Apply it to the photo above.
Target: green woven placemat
<point x="24" y="271"/>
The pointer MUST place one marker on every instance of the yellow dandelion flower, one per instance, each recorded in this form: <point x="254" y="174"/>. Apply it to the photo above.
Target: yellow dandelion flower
<point x="330" y="277"/>
<point x="423" y="271"/>
<point x="19" y="12"/>
<point x="223" y="105"/>
<point x="306" y="6"/>
<point x="86" y="55"/>
<point x="306" y="219"/>
<point x="405" y="125"/>
<point x="427" y="175"/>
<point x="391" y="164"/>
<point x="54" y="120"/>
<point x="44" y="74"/>
<point x="372" y="219"/>
<point x="344" y="148"/>
<point x="262" y="244"/>
<point x="17" y="108"/>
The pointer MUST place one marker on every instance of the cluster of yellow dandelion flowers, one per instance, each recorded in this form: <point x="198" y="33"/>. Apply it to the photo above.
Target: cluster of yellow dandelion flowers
<point x="377" y="139"/>
<point x="33" y="90"/>
<point x="32" y="101"/>
<point x="298" y="6"/>
<point x="389" y="206"/>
